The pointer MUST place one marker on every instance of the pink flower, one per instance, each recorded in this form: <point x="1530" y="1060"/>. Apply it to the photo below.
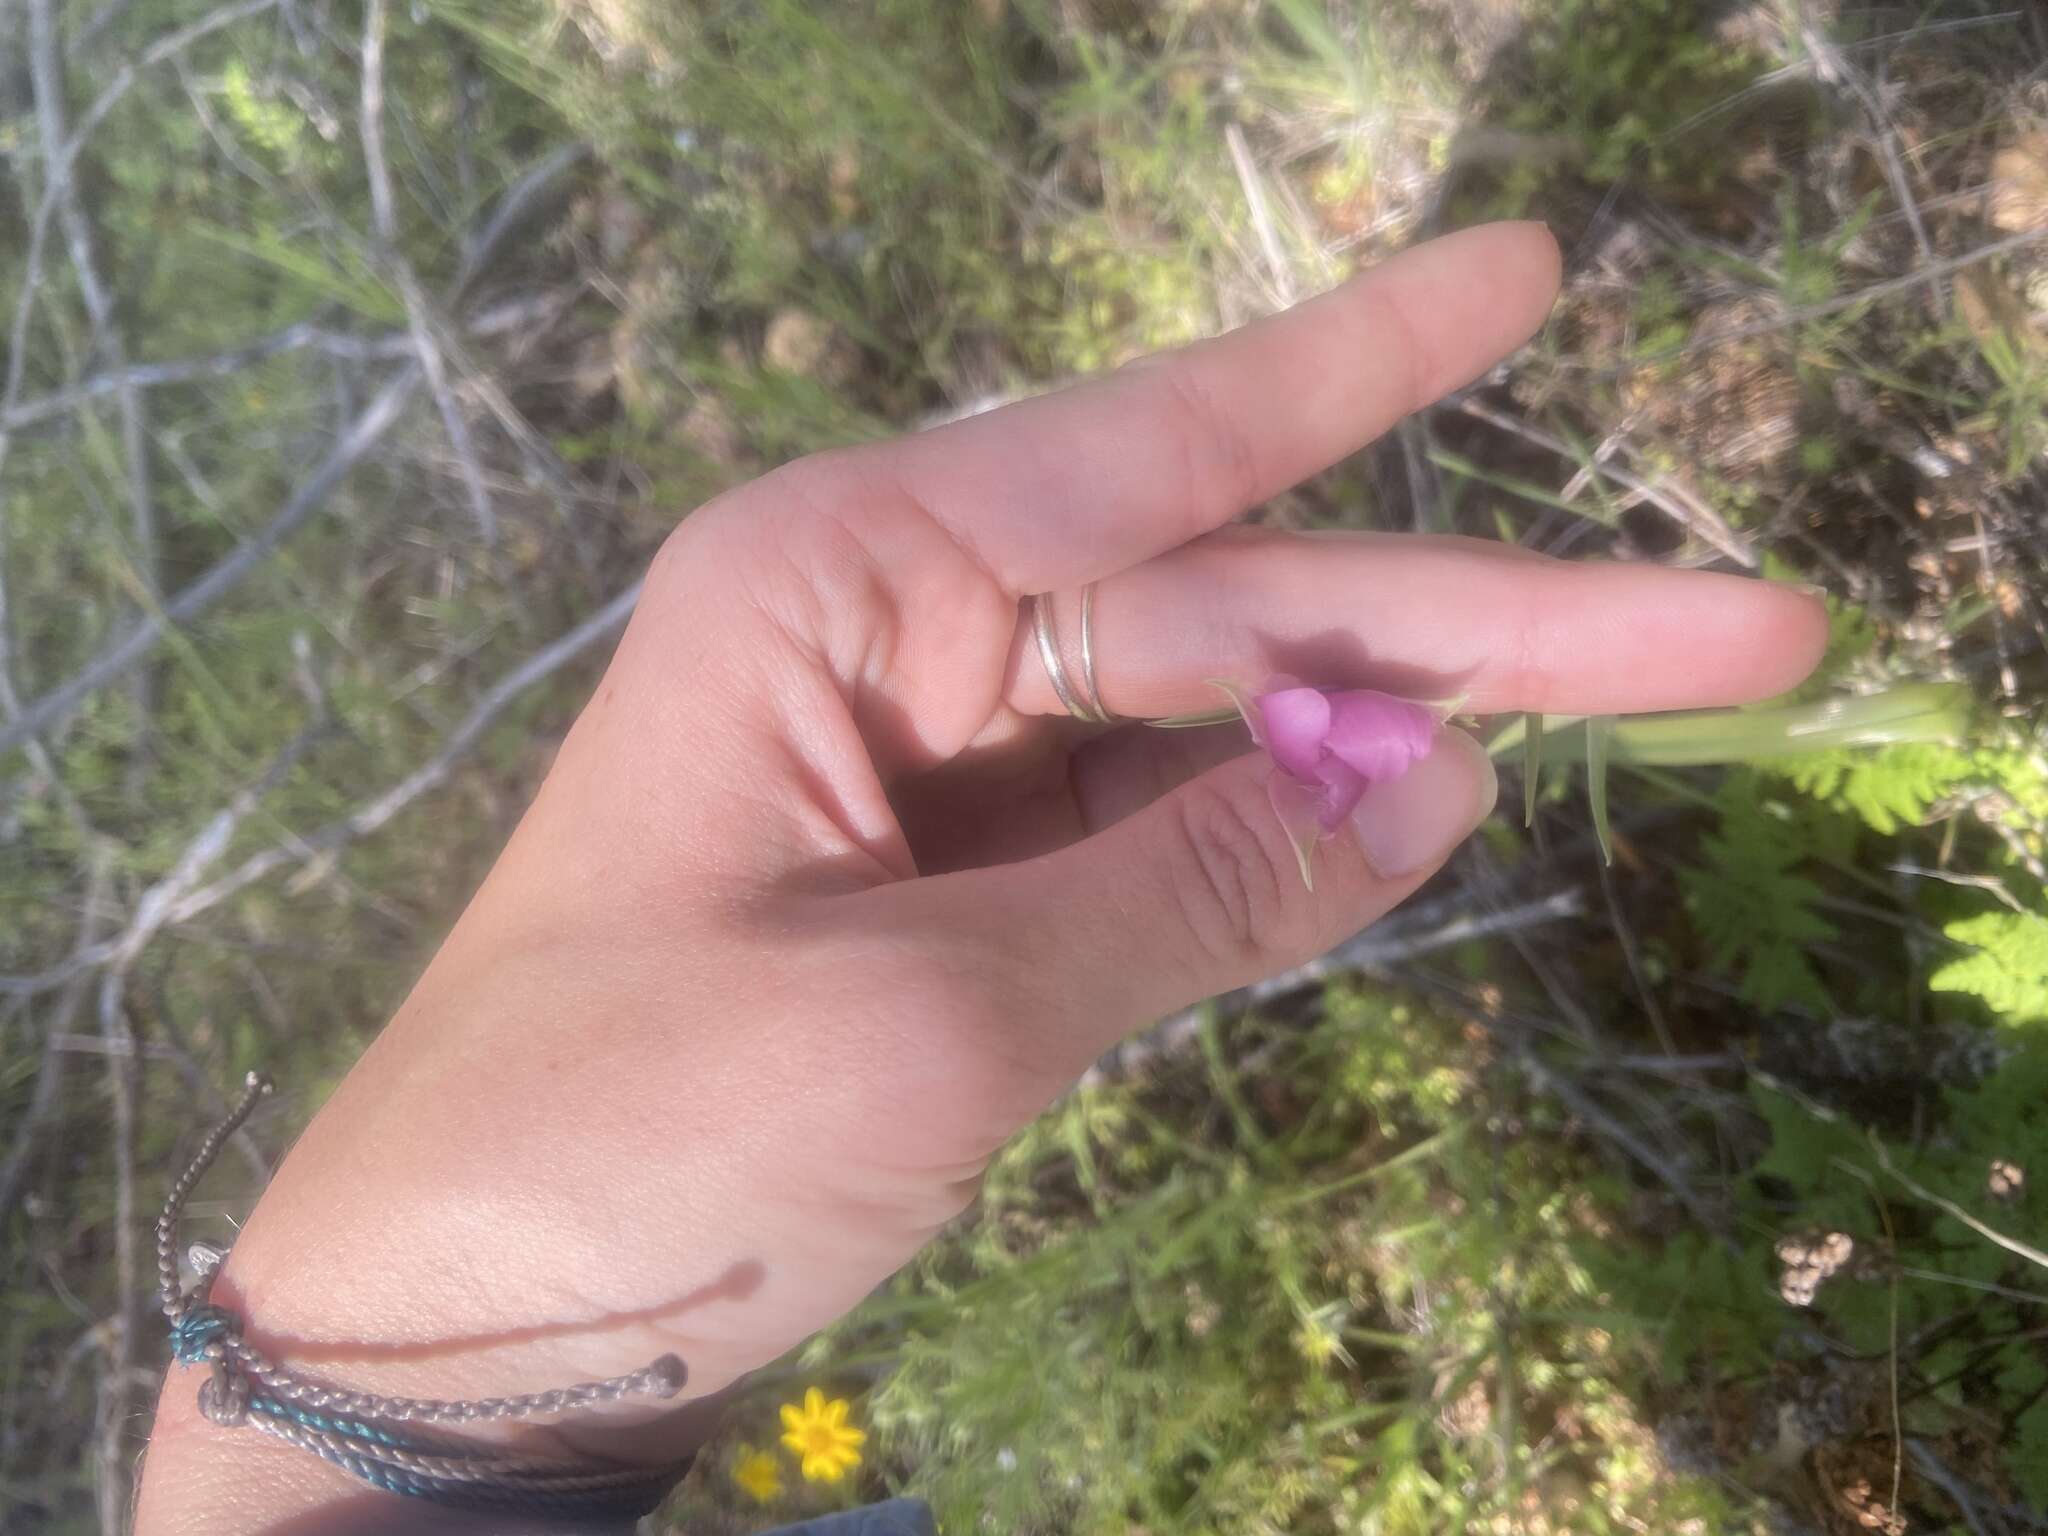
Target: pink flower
<point x="1329" y="746"/>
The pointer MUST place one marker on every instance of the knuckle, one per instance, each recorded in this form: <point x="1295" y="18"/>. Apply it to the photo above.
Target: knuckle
<point x="724" y="533"/>
<point x="1397" y="336"/>
<point x="1239" y="893"/>
<point x="780" y="547"/>
<point x="1211" y="445"/>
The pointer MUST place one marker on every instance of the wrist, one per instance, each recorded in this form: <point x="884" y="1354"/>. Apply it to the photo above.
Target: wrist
<point x="252" y="1440"/>
<point x="263" y="1473"/>
<point x="200" y="1478"/>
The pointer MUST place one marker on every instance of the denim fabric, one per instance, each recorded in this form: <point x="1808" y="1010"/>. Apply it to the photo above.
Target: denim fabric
<point x="898" y="1517"/>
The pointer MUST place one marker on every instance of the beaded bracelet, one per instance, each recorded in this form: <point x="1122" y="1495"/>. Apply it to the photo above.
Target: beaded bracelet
<point x="362" y="1433"/>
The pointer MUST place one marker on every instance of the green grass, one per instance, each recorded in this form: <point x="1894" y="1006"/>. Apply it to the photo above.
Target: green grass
<point x="1486" y="1240"/>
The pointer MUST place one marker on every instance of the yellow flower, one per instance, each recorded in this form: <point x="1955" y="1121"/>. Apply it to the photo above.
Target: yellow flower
<point x="1318" y="1339"/>
<point x="759" y="1473"/>
<point x="822" y="1439"/>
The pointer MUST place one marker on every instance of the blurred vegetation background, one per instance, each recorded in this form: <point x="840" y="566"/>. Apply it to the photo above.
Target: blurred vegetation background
<point x="358" y="354"/>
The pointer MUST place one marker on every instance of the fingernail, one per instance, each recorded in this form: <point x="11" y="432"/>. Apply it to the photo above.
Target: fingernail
<point x="1418" y="819"/>
<point x="1810" y="589"/>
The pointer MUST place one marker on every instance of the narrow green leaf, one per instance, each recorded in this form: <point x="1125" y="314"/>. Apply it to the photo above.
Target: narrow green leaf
<point x="1308" y="23"/>
<point x="1192" y="721"/>
<point x="1532" y="764"/>
<point x="1598" y="728"/>
<point x="1514" y="485"/>
<point x="358" y="290"/>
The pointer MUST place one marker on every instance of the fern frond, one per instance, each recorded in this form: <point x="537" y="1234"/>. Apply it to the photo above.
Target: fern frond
<point x="1891" y="788"/>
<point x="2009" y="969"/>
<point x="1755" y="914"/>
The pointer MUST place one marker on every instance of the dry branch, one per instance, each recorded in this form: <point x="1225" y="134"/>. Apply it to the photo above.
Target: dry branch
<point x="384" y="225"/>
<point x="200" y="855"/>
<point x="1683" y="508"/>
<point x="383" y="208"/>
<point x="1280" y="273"/>
<point x="124" y="1080"/>
<point x="1869" y="294"/>
<point x="59" y="156"/>
<point x="1414" y="931"/>
<point x="383" y="412"/>
<point x="142" y="638"/>
<point x="47" y="76"/>
<point x="510" y="315"/>
<point x="174" y="900"/>
<point x="50" y="1075"/>
<point x="458" y="743"/>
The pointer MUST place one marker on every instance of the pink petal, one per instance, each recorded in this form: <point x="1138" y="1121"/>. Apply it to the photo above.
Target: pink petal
<point x="1295" y="721"/>
<point x="1300" y="809"/>
<point x="1343" y="787"/>
<point x="1378" y="735"/>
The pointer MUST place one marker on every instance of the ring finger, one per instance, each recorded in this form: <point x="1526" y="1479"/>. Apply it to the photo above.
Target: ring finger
<point x="1425" y="618"/>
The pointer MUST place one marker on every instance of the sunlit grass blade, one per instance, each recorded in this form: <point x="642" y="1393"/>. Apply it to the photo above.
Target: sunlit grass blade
<point x="1308" y="22"/>
<point x="1515" y="485"/>
<point x="1191" y="721"/>
<point x="358" y="289"/>
<point x="1914" y="712"/>
<point x="1532" y="764"/>
<point x="1599" y="729"/>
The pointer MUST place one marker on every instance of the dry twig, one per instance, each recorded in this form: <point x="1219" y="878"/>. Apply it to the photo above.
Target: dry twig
<point x="1414" y="931"/>
<point x="429" y="775"/>
<point x="1869" y="294"/>
<point x="141" y="639"/>
<point x="361" y="435"/>
<point x="47" y="75"/>
<point x="510" y="315"/>
<point x="384" y="222"/>
<point x="42" y="1102"/>
<point x="1990" y="1234"/>
<point x="1683" y="508"/>
<point x="174" y="900"/>
<point x="1280" y="274"/>
<point x="58" y="160"/>
<point x="124" y="1083"/>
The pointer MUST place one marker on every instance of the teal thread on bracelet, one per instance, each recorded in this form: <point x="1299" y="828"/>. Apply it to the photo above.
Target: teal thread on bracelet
<point x="343" y="1428"/>
<point x="307" y="1418"/>
<point x="198" y="1328"/>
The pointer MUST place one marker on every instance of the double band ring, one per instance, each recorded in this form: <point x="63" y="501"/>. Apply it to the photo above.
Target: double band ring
<point x="1086" y="703"/>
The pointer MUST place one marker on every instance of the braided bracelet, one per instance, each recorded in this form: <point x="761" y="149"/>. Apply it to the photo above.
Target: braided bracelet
<point x="360" y="1432"/>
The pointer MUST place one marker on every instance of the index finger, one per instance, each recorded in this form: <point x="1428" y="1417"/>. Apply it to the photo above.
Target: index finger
<point x="1073" y="486"/>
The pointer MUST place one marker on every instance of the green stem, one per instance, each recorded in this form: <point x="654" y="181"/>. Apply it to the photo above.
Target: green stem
<point x="1913" y="712"/>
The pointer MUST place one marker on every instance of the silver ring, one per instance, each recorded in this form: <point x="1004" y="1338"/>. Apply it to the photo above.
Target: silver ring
<point x="1049" y="653"/>
<point x="1088" y="706"/>
<point x="1102" y="714"/>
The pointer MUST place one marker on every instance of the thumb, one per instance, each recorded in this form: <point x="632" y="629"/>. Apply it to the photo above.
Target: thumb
<point x="1196" y="894"/>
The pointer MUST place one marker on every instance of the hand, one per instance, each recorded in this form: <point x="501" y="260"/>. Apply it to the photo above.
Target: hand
<point x="825" y="897"/>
